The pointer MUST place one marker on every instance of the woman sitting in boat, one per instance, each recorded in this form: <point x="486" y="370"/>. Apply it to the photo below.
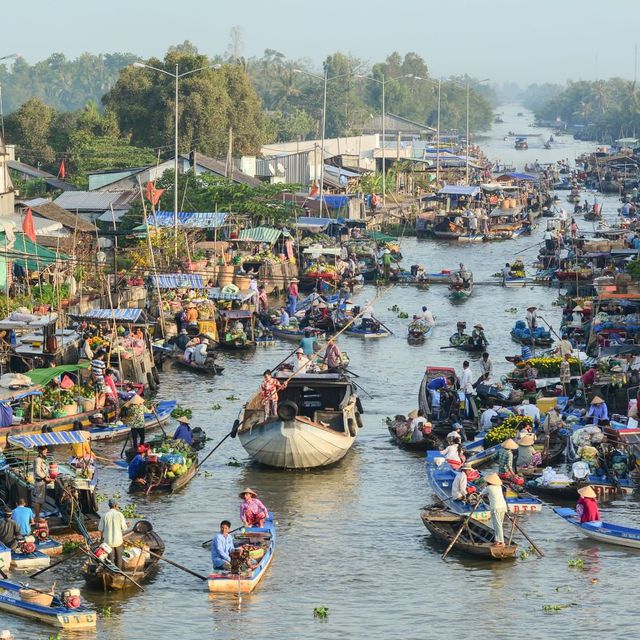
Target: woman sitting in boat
<point x="598" y="410"/>
<point x="191" y="347"/>
<point x="527" y="455"/>
<point x="587" y="506"/>
<point x="506" y="465"/>
<point x="138" y="465"/>
<point x="454" y="454"/>
<point x="183" y="432"/>
<point x="252" y="512"/>
<point x="478" y="339"/>
<point x="461" y="488"/>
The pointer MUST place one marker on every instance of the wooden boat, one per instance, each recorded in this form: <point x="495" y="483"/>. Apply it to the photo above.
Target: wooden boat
<point x="440" y="479"/>
<point x="236" y="342"/>
<point x="289" y="333"/>
<point x="72" y="488"/>
<point x="152" y="420"/>
<point x="417" y="332"/>
<point x="605" y="489"/>
<point x="476" y="539"/>
<point x="374" y="330"/>
<point x="603" y="531"/>
<point x="464" y="343"/>
<point x="105" y="576"/>
<point x="210" y="368"/>
<point x="157" y="480"/>
<point x="56" y="614"/>
<point x="427" y="443"/>
<point x="459" y="291"/>
<point x="317" y="423"/>
<point x="539" y="341"/>
<point x="521" y="144"/>
<point x="246" y="581"/>
<point x="482" y="456"/>
<point x="514" y="282"/>
<point x="446" y="276"/>
<point x="34" y="560"/>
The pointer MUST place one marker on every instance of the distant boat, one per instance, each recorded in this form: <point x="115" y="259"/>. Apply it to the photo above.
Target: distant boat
<point x="603" y="531"/>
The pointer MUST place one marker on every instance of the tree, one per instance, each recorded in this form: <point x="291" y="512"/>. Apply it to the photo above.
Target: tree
<point x="284" y="127"/>
<point x="345" y="108"/>
<point x="211" y="101"/>
<point x="30" y="128"/>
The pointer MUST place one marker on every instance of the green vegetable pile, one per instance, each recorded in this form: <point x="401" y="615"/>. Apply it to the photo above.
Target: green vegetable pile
<point x="180" y="411"/>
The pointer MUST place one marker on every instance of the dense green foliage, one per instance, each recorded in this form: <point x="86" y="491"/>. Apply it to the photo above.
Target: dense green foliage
<point x="536" y="95"/>
<point x="608" y="109"/>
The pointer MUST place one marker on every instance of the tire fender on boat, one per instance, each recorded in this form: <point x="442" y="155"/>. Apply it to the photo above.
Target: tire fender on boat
<point x="352" y="427"/>
<point x="151" y="382"/>
<point x="234" y="429"/>
<point x="287" y="410"/>
<point x="155" y="374"/>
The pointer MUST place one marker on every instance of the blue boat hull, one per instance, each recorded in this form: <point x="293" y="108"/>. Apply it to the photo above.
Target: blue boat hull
<point x="603" y="531"/>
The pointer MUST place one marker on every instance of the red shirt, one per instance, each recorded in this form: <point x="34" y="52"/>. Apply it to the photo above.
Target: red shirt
<point x="269" y="389"/>
<point x="293" y="289"/>
<point x="589" y="377"/>
<point x="587" y="509"/>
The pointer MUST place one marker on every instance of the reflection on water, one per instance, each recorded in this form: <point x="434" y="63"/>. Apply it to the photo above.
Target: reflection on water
<point x="350" y="537"/>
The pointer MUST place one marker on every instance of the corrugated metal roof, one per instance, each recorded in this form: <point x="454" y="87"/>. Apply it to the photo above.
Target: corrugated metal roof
<point x="260" y="234"/>
<point x="196" y="219"/>
<point x="121" y="315"/>
<point x="94" y="200"/>
<point x="459" y="190"/>
<point x="34" y="172"/>
<point x="178" y="281"/>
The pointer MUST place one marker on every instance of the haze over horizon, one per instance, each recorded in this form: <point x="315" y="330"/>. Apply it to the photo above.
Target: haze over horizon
<point x="547" y="42"/>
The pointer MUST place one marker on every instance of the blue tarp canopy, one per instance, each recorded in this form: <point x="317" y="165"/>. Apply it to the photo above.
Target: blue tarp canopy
<point x="237" y="296"/>
<point x="306" y="222"/>
<point x="178" y="281"/>
<point x="520" y="176"/>
<point x="120" y="315"/>
<point x="459" y="190"/>
<point x="195" y="219"/>
<point x="335" y="202"/>
<point x="48" y="439"/>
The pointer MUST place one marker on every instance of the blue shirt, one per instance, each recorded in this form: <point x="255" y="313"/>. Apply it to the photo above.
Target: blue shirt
<point x="525" y="352"/>
<point x="437" y="383"/>
<point x="23" y="516"/>
<point x="597" y="412"/>
<point x="221" y="548"/>
<point x="307" y="344"/>
<point x="183" y="432"/>
<point x="136" y="467"/>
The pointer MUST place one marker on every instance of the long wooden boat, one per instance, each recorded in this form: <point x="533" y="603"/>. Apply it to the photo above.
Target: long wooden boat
<point x="440" y="478"/>
<point x="603" y="531"/>
<point x="210" y="368"/>
<point x="72" y="488"/>
<point x="367" y="333"/>
<point x="476" y="539"/>
<point x="112" y="432"/>
<point x="157" y="480"/>
<point x="427" y="443"/>
<point x="604" y="488"/>
<point x="540" y="341"/>
<point x="459" y="292"/>
<point x="417" y="334"/>
<point x="246" y="581"/>
<point x="463" y="343"/>
<point x="56" y="614"/>
<point x="104" y="576"/>
<point x="317" y="423"/>
<point x="513" y="282"/>
<point x="483" y="456"/>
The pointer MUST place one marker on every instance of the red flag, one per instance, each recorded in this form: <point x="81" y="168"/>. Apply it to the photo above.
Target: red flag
<point x="27" y="226"/>
<point x="314" y="191"/>
<point x="62" y="171"/>
<point x="153" y="195"/>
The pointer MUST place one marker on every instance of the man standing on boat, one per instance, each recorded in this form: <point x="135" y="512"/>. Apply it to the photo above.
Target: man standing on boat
<point x="466" y="386"/>
<point x="333" y="357"/>
<point x="292" y="296"/>
<point x="427" y="317"/>
<point x="532" y="318"/>
<point x="112" y="525"/>
<point x="40" y="479"/>
<point x="222" y="546"/>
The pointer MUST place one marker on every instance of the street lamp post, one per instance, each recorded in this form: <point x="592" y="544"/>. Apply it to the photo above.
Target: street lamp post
<point x="325" y="80"/>
<point x="176" y="76"/>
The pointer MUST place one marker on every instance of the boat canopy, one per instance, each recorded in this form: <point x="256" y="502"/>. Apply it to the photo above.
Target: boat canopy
<point x="527" y="177"/>
<point x="178" y="281"/>
<point x="37" y="322"/>
<point x="52" y="439"/>
<point x="107" y="315"/>
<point x="236" y="296"/>
<point x="12" y="395"/>
<point x="314" y="225"/>
<point x="315" y="250"/>
<point x="236" y="314"/>
<point x="194" y="219"/>
<point x="259" y="234"/>
<point x="459" y="190"/>
<point x="44" y="376"/>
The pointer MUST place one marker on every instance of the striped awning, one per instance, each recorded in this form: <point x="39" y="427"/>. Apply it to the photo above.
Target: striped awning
<point x="194" y="219"/>
<point x="240" y="296"/>
<point x="260" y="234"/>
<point x="178" y="281"/>
<point x="122" y="315"/>
<point x="52" y="439"/>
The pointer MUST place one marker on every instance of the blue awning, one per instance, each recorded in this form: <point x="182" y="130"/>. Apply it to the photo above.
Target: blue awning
<point x="240" y="296"/>
<point x="459" y="190"/>
<point x="335" y="202"/>
<point x="120" y="315"/>
<point x="48" y="439"/>
<point x="195" y="219"/>
<point x="520" y="176"/>
<point x="178" y="281"/>
<point x="306" y="222"/>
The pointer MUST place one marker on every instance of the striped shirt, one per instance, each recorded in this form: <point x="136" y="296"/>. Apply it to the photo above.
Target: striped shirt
<point x="98" y="368"/>
<point x="525" y="352"/>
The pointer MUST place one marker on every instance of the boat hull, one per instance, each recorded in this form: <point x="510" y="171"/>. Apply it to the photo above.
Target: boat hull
<point x="295" y="444"/>
<point x="603" y="531"/>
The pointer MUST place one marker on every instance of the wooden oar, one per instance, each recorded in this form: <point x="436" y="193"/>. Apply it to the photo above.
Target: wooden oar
<point x="175" y="564"/>
<point x="464" y="524"/>
<point x="112" y="568"/>
<point x="231" y="433"/>
<point x="75" y="552"/>
<point x="382" y="324"/>
<point x="155" y="413"/>
<point x="531" y="542"/>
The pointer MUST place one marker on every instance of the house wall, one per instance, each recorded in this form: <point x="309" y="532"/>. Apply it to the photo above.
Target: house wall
<point x="7" y="195"/>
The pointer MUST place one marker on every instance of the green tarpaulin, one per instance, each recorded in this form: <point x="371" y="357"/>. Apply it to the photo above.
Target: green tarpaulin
<point x="44" y="376"/>
<point x="260" y="234"/>
<point x="29" y="255"/>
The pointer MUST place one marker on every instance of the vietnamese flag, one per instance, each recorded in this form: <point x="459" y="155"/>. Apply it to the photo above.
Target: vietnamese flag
<point x="314" y="191"/>
<point x="153" y="195"/>
<point x="27" y="226"/>
<point x="62" y="171"/>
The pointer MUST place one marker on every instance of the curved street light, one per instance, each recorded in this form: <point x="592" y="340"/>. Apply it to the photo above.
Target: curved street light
<point x="177" y="75"/>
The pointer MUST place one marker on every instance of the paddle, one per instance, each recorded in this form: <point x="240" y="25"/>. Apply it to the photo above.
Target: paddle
<point x="231" y="433"/>
<point x="175" y="564"/>
<point x="75" y="552"/>
<point x="519" y="528"/>
<point x="155" y="413"/>
<point x="464" y="524"/>
<point x="382" y="324"/>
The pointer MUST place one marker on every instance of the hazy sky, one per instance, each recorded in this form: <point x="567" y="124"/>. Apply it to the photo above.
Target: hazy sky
<point x="533" y="41"/>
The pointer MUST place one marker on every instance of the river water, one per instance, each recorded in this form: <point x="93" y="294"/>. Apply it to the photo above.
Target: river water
<point x="350" y="537"/>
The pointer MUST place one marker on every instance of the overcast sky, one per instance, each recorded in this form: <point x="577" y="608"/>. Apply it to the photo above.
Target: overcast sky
<point x="543" y="40"/>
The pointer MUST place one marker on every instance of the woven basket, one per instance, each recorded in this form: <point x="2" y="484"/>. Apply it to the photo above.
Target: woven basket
<point x="36" y="597"/>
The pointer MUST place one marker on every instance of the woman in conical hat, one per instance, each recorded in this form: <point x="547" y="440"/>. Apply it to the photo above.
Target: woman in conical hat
<point x="598" y="410"/>
<point x="587" y="506"/>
